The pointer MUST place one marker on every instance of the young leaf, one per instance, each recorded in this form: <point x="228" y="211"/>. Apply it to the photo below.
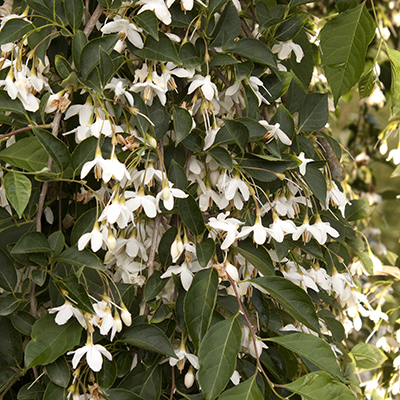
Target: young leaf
<point x="344" y="41"/>
<point x="199" y="304"/>
<point x="217" y="356"/>
<point x="320" y="385"/>
<point x="313" y="349"/>
<point x="18" y="190"/>
<point x="50" y="341"/>
<point x="294" y="299"/>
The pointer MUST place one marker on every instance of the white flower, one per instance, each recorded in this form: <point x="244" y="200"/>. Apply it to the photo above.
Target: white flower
<point x="158" y="7"/>
<point x="276" y="132"/>
<point x="183" y="355"/>
<point x="93" y="353"/>
<point x="394" y="155"/>
<point x="185" y="271"/>
<point x="259" y="232"/>
<point x="285" y="48"/>
<point x="228" y="225"/>
<point x="208" y="88"/>
<point x="95" y="237"/>
<point x="254" y="84"/>
<point x="167" y="194"/>
<point x="118" y="86"/>
<point x="154" y="84"/>
<point x="98" y="163"/>
<point x="319" y="231"/>
<point x="117" y="212"/>
<point x="304" y="162"/>
<point x="139" y="199"/>
<point x="128" y="29"/>
<point x="279" y="228"/>
<point x="65" y="312"/>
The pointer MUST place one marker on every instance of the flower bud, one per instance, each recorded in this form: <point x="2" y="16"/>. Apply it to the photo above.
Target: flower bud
<point x="189" y="378"/>
<point x="126" y="316"/>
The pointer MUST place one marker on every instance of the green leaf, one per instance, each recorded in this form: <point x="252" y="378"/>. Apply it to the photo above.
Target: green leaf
<point x="233" y="132"/>
<point x="50" y="341"/>
<point x="149" y="22"/>
<point x="10" y="343"/>
<point x="333" y="324"/>
<point x="6" y="376"/>
<point x="74" y="13"/>
<point x="106" y="66"/>
<point x="26" y="154"/>
<point x="394" y="56"/>
<point x="84" y="152"/>
<point x="199" y="304"/>
<point x="221" y="156"/>
<point x="78" y="42"/>
<point x="257" y="256"/>
<point x="8" y="305"/>
<point x="314" y="112"/>
<point x="247" y="390"/>
<point x="18" y="191"/>
<point x="243" y="70"/>
<point x="39" y="40"/>
<point x="77" y="292"/>
<point x="148" y="337"/>
<point x="254" y="50"/>
<point x="154" y="286"/>
<point x="293" y="299"/>
<point x="30" y="392"/>
<point x="56" y="149"/>
<point x="320" y="385"/>
<point x="14" y="29"/>
<point x="366" y="84"/>
<point x="54" y="391"/>
<point x="164" y="248"/>
<point x="160" y="117"/>
<point x="189" y="56"/>
<point x="313" y="349"/>
<point x="177" y="175"/>
<point x="83" y="225"/>
<point x="108" y="373"/>
<point x="290" y="27"/>
<point x="84" y="258"/>
<point x="56" y="242"/>
<point x="63" y="67"/>
<point x="228" y="25"/>
<point x="58" y="372"/>
<point x="214" y="6"/>
<point x="204" y="251"/>
<point x="22" y="322"/>
<point x="8" y="274"/>
<point x="89" y="57"/>
<point x="317" y="183"/>
<point x="32" y="242"/>
<point x="183" y="123"/>
<point x="217" y="356"/>
<point x="368" y="356"/>
<point x="122" y="394"/>
<point x="191" y="215"/>
<point x="162" y="49"/>
<point x="358" y="209"/>
<point x="344" y="40"/>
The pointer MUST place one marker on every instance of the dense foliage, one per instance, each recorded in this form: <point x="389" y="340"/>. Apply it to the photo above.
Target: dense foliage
<point x="180" y="217"/>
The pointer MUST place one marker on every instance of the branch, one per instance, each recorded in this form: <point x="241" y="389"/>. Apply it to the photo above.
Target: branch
<point x="153" y="247"/>
<point x="26" y="128"/>
<point x="11" y="384"/>
<point x="246" y="29"/>
<point x="93" y="19"/>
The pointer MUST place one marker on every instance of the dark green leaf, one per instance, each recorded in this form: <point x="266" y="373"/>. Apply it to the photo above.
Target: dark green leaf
<point x="50" y="341"/>
<point x="154" y="286"/>
<point x="191" y="215"/>
<point x="22" y="322"/>
<point x="314" y="349"/>
<point x="122" y="394"/>
<point x="148" y="337"/>
<point x="333" y="324"/>
<point x="294" y="299"/>
<point x="221" y="156"/>
<point x="188" y="56"/>
<point x="62" y="66"/>
<point x="8" y="305"/>
<point x="84" y="152"/>
<point x="108" y="373"/>
<point x="74" y="13"/>
<point x="18" y="191"/>
<point x="58" y="372"/>
<point x="39" y="40"/>
<point x="8" y="274"/>
<point x="314" y="112"/>
<point x="14" y="29"/>
<point x="84" y="258"/>
<point x="83" y="225"/>
<point x="6" y="376"/>
<point x="289" y="28"/>
<point x="228" y="25"/>
<point x="39" y="276"/>
<point x="177" y="175"/>
<point x="149" y="22"/>
<point x="199" y="304"/>
<point x="31" y="392"/>
<point x="358" y="209"/>
<point x="106" y="66"/>
<point x="158" y="114"/>
<point x="247" y="390"/>
<point x="56" y="242"/>
<point x="164" y="248"/>
<point x="344" y="41"/>
<point x="32" y="242"/>
<point x="317" y="183"/>
<point x="233" y="132"/>
<point x="204" y="251"/>
<point x="55" y="392"/>
<point x="10" y="343"/>
<point x="183" y="123"/>
<point x="78" y="42"/>
<point x="217" y="356"/>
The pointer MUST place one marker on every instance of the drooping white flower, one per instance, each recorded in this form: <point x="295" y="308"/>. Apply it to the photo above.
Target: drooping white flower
<point x="94" y="355"/>
<point x="276" y="132"/>
<point x="260" y="232"/>
<point x="319" y="230"/>
<point x="118" y="86"/>
<point x="394" y="155"/>
<point x="304" y="162"/>
<point x="65" y="312"/>
<point x="128" y="29"/>
<point x="208" y="88"/>
<point x="228" y="225"/>
<point x="95" y="237"/>
<point x="117" y="212"/>
<point x="158" y="7"/>
<point x="139" y="199"/>
<point x="285" y="48"/>
<point x="185" y="270"/>
<point x="167" y="195"/>
<point x="279" y="228"/>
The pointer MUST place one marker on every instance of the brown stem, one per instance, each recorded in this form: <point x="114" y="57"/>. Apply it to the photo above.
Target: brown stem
<point x="26" y="128"/>
<point x="11" y="384"/>
<point x="59" y="206"/>
<point x="171" y="396"/>
<point x="93" y="19"/>
<point x="246" y="29"/>
<point x="153" y="247"/>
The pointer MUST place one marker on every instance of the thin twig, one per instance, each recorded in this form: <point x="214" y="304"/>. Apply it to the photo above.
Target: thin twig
<point x="93" y="19"/>
<point x="246" y="29"/>
<point x="26" y="128"/>
<point x="171" y="396"/>
<point x="153" y="247"/>
<point x="11" y="384"/>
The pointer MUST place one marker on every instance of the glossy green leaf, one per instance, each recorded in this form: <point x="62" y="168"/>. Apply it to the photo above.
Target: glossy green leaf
<point x="58" y="372"/>
<point x="191" y="215"/>
<point x="8" y="274"/>
<point x="10" y="343"/>
<point x="154" y="286"/>
<point x="368" y="356"/>
<point x="18" y="191"/>
<point x="32" y="242"/>
<point x="162" y="49"/>
<point x="320" y="385"/>
<point x="344" y="41"/>
<point x="148" y="337"/>
<point x="77" y="292"/>
<point x="313" y="349"/>
<point x="233" y="132"/>
<point x="8" y="305"/>
<point x="84" y="258"/>
<point x="217" y="356"/>
<point x="108" y="373"/>
<point x="204" y="251"/>
<point x="317" y="183"/>
<point x="257" y="256"/>
<point x="294" y="299"/>
<point x="56" y="242"/>
<point x="228" y="25"/>
<point x="54" y="391"/>
<point x="22" y="322"/>
<point x="78" y="42"/>
<point x="189" y="56"/>
<point x="89" y="57"/>
<point x="358" y="209"/>
<point x="74" y="13"/>
<point x="314" y="112"/>
<point x="183" y="123"/>
<point x="247" y="390"/>
<point x="50" y="341"/>
<point x="199" y="304"/>
<point x="221" y="156"/>
<point x="26" y="154"/>
<point x="148" y="22"/>
<point x="56" y="149"/>
<point x="31" y="392"/>
<point x="14" y="29"/>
